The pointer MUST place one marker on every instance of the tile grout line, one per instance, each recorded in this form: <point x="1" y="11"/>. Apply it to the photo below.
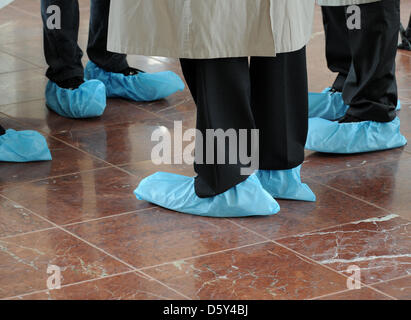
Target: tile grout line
<point x="359" y="199"/>
<point x="393" y="279"/>
<point x="13" y="103"/>
<point x="15" y="71"/>
<point x="97" y="248"/>
<point x="20" y="58"/>
<point x="14" y="185"/>
<point x="24" y="11"/>
<point x="107" y="217"/>
<point x="331" y="269"/>
<point x="202" y="255"/>
<point x="314" y="230"/>
<point x="347" y="291"/>
<point x="310" y="259"/>
<point x="72" y="223"/>
<point x="95" y="157"/>
<point x="378" y="162"/>
<point x="67" y="285"/>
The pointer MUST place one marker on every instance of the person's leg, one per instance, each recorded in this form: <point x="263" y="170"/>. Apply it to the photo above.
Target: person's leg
<point x="97" y="41"/>
<point x="121" y="80"/>
<point x="338" y="52"/>
<point x="405" y="36"/>
<point x="371" y="89"/>
<point x="61" y="51"/>
<point x="279" y="94"/>
<point x="66" y="93"/>
<point x="279" y="99"/>
<point x="221" y="90"/>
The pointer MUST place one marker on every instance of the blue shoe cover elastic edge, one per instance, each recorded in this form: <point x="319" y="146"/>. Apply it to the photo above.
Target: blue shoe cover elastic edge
<point x="176" y="192"/>
<point x="285" y="184"/>
<point x="23" y="146"/>
<point x="87" y="101"/>
<point x="347" y="138"/>
<point x="328" y="105"/>
<point x="139" y="87"/>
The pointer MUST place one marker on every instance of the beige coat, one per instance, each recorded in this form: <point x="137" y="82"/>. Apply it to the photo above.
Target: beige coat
<point x="209" y="28"/>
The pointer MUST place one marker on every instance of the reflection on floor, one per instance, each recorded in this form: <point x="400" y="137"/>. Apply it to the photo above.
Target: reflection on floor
<point x="78" y="212"/>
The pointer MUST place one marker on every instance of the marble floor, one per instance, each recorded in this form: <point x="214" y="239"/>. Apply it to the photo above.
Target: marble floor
<point x="79" y="213"/>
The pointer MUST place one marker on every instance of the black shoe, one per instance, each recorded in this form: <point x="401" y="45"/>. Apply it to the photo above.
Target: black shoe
<point x="71" y="84"/>
<point x="349" y="119"/>
<point x="334" y="90"/>
<point x="405" y="38"/>
<point x="131" y="71"/>
<point x="2" y="131"/>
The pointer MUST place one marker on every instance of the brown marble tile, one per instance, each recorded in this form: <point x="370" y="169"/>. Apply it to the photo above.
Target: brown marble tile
<point x="16" y="25"/>
<point x="156" y="236"/>
<point x="332" y="208"/>
<point x="379" y="246"/>
<point x="177" y="99"/>
<point x="14" y="219"/>
<point x="361" y="294"/>
<point x="185" y="112"/>
<point x="24" y="261"/>
<point x="261" y="272"/>
<point x="22" y="86"/>
<point x="36" y="115"/>
<point x="385" y="184"/>
<point x="29" y="51"/>
<point x="400" y="288"/>
<point x="9" y="63"/>
<point x="130" y="286"/>
<point x="79" y="197"/>
<point x="66" y="160"/>
<point x="120" y="144"/>
<point x="322" y="163"/>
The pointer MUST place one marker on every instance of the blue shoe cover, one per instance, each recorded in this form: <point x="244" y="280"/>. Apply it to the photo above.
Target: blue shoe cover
<point x="176" y="192"/>
<point x="346" y="138"/>
<point x="140" y="87"/>
<point x="87" y="101"/>
<point x="285" y="184"/>
<point x="329" y="105"/>
<point x="23" y="146"/>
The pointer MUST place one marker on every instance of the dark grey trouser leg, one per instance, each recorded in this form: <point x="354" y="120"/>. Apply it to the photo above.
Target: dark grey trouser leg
<point x="61" y="51"/>
<point x="371" y="88"/>
<point x="97" y="41"/>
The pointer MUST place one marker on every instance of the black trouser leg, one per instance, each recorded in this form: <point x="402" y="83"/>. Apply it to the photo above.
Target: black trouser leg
<point x="2" y="130"/>
<point x="337" y="49"/>
<point x="221" y="90"/>
<point x="279" y="99"/>
<point x="371" y="89"/>
<point x="230" y="94"/>
<point x="97" y="42"/>
<point x="61" y="51"/>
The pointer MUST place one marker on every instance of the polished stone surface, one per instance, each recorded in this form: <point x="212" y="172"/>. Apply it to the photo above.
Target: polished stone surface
<point x="129" y="286"/>
<point x="79" y="211"/>
<point x="265" y="271"/>
<point x="380" y="247"/>
<point x="154" y="236"/>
